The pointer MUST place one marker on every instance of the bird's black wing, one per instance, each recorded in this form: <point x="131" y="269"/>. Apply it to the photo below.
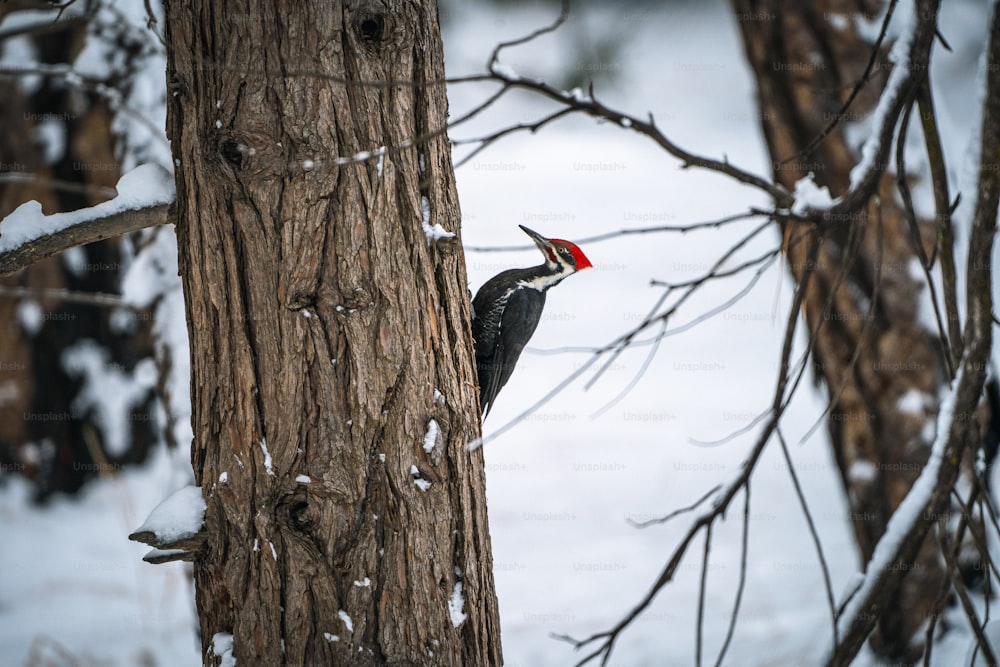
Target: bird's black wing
<point x="520" y="318"/>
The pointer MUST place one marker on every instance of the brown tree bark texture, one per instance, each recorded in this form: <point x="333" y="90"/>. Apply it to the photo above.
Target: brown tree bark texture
<point x="805" y="69"/>
<point x="321" y="323"/>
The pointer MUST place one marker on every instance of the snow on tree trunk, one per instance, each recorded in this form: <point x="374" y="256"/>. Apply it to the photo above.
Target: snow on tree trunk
<point x="322" y="324"/>
<point x="882" y="366"/>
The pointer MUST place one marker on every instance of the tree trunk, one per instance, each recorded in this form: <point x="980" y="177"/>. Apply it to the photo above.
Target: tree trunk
<point x="871" y="349"/>
<point x="326" y="334"/>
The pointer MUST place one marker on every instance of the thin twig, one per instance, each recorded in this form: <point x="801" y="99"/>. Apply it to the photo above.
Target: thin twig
<point x="678" y="512"/>
<point x="982" y="643"/>
<point x="820" y="555"/>
<point x="699" y="630"/>
<point x="744" y="548"/>
<point x="865" y="78"/>
<point x="629" y="231"/>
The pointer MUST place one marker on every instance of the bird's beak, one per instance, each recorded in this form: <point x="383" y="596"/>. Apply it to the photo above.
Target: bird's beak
<point x="539" y="240"/>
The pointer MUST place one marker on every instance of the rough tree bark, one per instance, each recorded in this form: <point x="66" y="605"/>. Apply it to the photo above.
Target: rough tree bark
<point x="326" y="333"/>
<point x="871" y="347"/>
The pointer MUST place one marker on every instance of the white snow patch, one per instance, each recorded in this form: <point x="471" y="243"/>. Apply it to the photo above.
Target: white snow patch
<point x="145" y="186"/>
<point x="267" y="456"/>
<point x="422" y="484"/>
<point x="809" y="195"/>
<point x="274" y="552"/>
<point x="152" y="281"/>
<point x="433" y="232"/>
<point x="256" y="545"/>
<point x="18" y="50"/>
<point x="347" y="620"/>
<point x="222" y="647"/>
<point x="455" y="604"/>
<point x="123" y="321"/>
<point x="303" y="479"/>
<point x="50" y="135"/>
<point x="913" y="402"/>
<point x="108" y="392"/>
<point x="838" y="21"/>
<point x="430" y="438"/>
<point x="506" y="71"/>
<point x="30" y="316"/>
<point x="75" y="261"/>
<point x="436" y="232"/>
<point x="363" y="583"/>
<point x="224" y="477"/>
<point x="438" y="398"/>
<point x="180" y="515"/>
<point x="381" y="458"/>
<point x="863" y="471"/>
<point x="893" y="89"/>
<point x="330" y="637"/>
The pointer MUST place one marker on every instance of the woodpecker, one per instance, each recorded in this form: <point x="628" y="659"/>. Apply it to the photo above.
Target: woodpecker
<point x="507" y="308"/>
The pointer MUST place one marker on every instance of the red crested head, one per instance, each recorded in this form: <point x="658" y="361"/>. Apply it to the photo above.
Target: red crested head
<point x="580" y="260"/>
<point x="559" y="251"/>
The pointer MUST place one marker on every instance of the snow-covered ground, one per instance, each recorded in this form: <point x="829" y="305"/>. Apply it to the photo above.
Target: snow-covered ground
<point x="564" y="483"/>
<point x="75" y="591"/>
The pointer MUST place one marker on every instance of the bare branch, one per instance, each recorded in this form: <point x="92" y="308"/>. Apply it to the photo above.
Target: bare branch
<point x="678" y="512"/>
<point x="86" y="298"/>
<point x="590" y="106"/>
<point x="725" y="496"/>
<point x="942" y="208"/>
<point x="982" y="643"/>
<point x="820" y="554"/>
<point x="744" y="548"/>
<point x="629" y="231"/>
<point x="865" y="78"/>
<point x="57" y="184"/>
<point x="702" y="584"/>
<point x="552" y="27"/>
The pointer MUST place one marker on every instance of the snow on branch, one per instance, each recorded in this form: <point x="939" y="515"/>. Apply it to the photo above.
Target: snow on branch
<point x="910" y="56"/>
<point x="930" y="494"/>
<point x="27" y="235"/>
<point x="175" y="527"/>
<point x="902" y="524"/>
